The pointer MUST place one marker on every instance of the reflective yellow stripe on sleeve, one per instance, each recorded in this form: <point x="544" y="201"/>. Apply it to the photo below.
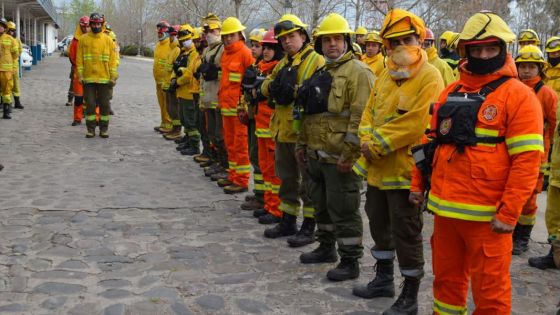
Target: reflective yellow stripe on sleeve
<point x="523" y="143"/>
<point x="234" y="77"/>
<point x="385" y="143"/>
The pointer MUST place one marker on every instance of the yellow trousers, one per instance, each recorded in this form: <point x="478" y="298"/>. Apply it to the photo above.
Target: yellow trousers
<point x="6" y="86"/>
<point x="165" y="119"/>
<point x="552" y="215"/>
<point x="15" y="89"/>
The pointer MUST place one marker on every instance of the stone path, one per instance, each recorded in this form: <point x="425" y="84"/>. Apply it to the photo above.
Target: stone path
<point x="128" y="226"/>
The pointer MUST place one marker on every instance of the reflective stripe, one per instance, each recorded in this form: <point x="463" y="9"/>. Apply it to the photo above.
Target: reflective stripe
<point x="415" y="273"/>
<point x="365" y="130"/>
<point x="275" y="189"/>
<point x="352" y="139"/>
<point x="308" y="212"/>
<point x="527" y="219"/>
<point x="395" y="183"/>
<point x="193" y="133"/>
<point x="530" y="142"/>
<point x="349" y="241"/>
<point x="229" y="111"/>
<point x="448" y="309"/>
<point x="268" y="186"/>
<point x="258" y="177"/>
<point x="384" y="143"/>
<point x="104" y="117"/>
<point x="231" y="165"/>
<point x="243" y="169"/>
<point x="326" y="227"/>
<point x="482" y="132"/>
<point x="176" y="123"/>
<point x="305" y="74"/>
<point x="545" y="168"/>
<point x="360" y="167"/>
<point x="459" y="210"/>
<point x="289" y="209"/>
<point x="234" y="77"/>
<point x="90" y="117"/>
<point x="260" y="187"/>
<point x="383" y="254"/>
<point x="263" y="133"/>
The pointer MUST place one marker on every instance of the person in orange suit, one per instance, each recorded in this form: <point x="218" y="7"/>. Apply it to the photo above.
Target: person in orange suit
<point x="530" y="65"/>
<point x="235" y="60"/>
<point x="81" y="28"/>
<point x="487" y="132"/>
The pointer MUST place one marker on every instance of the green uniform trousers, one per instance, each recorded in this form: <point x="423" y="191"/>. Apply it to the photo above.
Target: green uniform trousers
<point x="336" y="197"/>
<point x="98" y="94"/>
<point x="188" y="113"/>
<point x="173" y="109"/>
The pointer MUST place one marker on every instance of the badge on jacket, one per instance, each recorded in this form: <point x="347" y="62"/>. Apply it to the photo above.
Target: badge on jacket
<point x="490" y="112"/>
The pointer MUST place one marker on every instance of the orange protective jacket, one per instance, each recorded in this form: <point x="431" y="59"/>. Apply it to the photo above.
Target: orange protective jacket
<point x="490" y="179"/>
<point x="73" y="48"/>
<point x="264" y="112"/>
<point x="235" y="60"/>
<point x="549" y="102"/>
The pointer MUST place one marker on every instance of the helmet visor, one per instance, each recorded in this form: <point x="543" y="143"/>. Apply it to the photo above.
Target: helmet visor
<point x="553" y="44"/>
<point x="529" y="56"/>
<point x="527" y="36"/>
<point x="283" y="27"/>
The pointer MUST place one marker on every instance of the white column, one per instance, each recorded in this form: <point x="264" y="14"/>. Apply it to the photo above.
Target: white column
<point x="34" y="31"/>
<point x="18" y="26"/>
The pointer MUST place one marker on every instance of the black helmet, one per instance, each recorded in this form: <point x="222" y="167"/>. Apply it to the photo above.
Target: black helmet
<point x="4" y="22"/>
<point x="95" y="18"/>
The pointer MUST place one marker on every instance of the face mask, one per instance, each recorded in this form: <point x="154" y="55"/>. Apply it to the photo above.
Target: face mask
<point x="481" y="66"/>
<point x="211" y="38"/>
<point x="96" y="30"/>
<point x="554" y="61"/>
<point x="188" y="44"/>
<point x="164" y="36"/>
<point x="444" y="51"/>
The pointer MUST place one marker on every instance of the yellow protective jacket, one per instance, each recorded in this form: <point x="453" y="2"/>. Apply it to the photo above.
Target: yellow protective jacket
<point x="333" y="135"/>
<point x="446" y="71"/>
<point x="281" y="121"/>
<point x="375" y="63"/>
<point x="9" y="53"/>
<point x="394" y="120"/>
<point x="188" y="84"/>
<point x="553" y="78"/>
<point x="209" y="89"/>
<point x="20" y="50"/>
<point x="171" y="57"/>
<point x="161" y="66"/>
<point x="96" y="60"/>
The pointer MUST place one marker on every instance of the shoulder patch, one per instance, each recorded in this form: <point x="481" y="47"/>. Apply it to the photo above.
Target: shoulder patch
<point x="489" y="112"/>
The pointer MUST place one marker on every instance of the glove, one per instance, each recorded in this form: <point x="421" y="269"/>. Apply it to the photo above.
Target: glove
<point x="243" y="117"/>
<point x="173" y="85"/>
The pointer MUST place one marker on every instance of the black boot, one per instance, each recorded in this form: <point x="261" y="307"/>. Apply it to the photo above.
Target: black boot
<point x="305" y="235"/>
<point x="17" y="103"/>
<point x="325" y="253"/>
<point x="286" y="227"/>
<point x="6" y="111"/>
<point x="407" y="303"/>
<point x="347" y="269"/>
<point x="382" y="285"/>
<point x="191" y="150"/>
<point x="259" y="213"/>
<point x="543" y="262"/>
<point x="182" y="140"/>
<point x="269" y="219"/>
<point x="522" y="234"/>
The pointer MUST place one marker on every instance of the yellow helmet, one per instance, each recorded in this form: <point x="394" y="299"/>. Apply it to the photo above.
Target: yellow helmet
<point x="257" y="34"/>
<point x="357" y="49"/>
<point x="186" y="32"/>
<point x="400" y="22"/>
<point x="446" y="36"/>
<point x="231" y="25"/>
<point x="552" y="44"/>
<point x="287" y="24"/>
<point x="453" y="41"/>
<point x="334" y="24"/>
<point x="11" y="25"/>
<point x="530" y="53"/>
<point x="211" y="22"/>
<point x="484" y="26"/>
<point x="197" y="32"/>
<point x="529" y="35"/>
<point x="361" y="31"/>
<point x="374" y="37"/>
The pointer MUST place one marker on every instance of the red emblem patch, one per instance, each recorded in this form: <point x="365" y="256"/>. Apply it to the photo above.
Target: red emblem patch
<point x="490" y="112"/>
<point x="445" y="126"/>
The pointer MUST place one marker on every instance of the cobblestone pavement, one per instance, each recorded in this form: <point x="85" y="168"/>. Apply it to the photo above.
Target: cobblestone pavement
<point x="128" y="226"/>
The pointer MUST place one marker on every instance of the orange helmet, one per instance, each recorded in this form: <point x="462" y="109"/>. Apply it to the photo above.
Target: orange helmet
<point x="269" y="38"/>
<point x="429" y="35"/>
<point x="174" y="29"/>
<point x="84" y="20"/>
<point x="163" y="26"/>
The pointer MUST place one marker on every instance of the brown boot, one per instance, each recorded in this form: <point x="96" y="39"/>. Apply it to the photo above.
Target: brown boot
<point x="556" y="252"/>
<point x="174" y="134"/>
<point x="234" y="189"/>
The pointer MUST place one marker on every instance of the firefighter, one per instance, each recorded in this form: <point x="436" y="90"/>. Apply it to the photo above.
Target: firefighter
<point x="161" y="74"/>
<point x="298" y="65"/>
<point x="184" y="82"/>
<point x="373" y="56"/>
<point x="235" y="60"/>
<point x="361" y="34"/>
<point x="333" y="100"/>
<point x="209" y="73"/>
<point x="433" y="58"/>
<point x="172" y="105"/>
<point x="446" y="50"/>
<point x="487" y="132"/>
<point x="8" y="59"/>
<point x="528" y="37"/>
<point x="246" y="114"/>
<point x="530" y="65"/>
<point x="552" y="214"/>
<point x="96" y="62"/>
<point x="393" y="121"/>
<point x="81" y="28"/>
<point x="272" y="53"/>
<point x="200" y="44"/>
<point x="16" y="89"/>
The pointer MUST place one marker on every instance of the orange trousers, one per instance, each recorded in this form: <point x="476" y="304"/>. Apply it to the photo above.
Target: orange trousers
<point x="529" y="212"/>
<point x="237" y="147"/>
<point x="78" y="89"/>
<point x="468" y="250"/>
<point x="271" y="181"/>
